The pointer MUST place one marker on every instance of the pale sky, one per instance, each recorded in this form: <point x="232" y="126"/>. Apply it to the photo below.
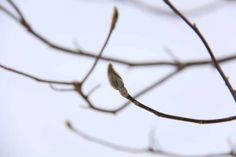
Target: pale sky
<point x="32" y="115"/>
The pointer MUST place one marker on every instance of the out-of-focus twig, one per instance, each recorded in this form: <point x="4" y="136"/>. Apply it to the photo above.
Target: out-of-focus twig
<point x="159" y="11"/>
<point x="151" y="149"/>
<point x="112" y="27"/>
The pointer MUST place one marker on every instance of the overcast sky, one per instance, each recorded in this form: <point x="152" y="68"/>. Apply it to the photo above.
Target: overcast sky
<point x="32" y="116"/>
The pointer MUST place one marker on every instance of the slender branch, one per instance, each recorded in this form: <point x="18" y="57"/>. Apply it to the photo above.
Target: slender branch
<point x="154" y="9"/>
<point x="112" y="27"/>
<point x="199" y="34"/>
<point x="76" y="85"/>
<point x="196" y="11"/>
<point x="117" y="83"/>
<point x="179" y="118"/>
<point x="126" y="104"/>
<point x="34" y="77"/>
<point x="8" y="13"/>
<point x="24" y="23"/>
<point x="93" y="90"/>
<point x="150" y="149"/>
<point x="103" y="142"/>
<point x="149" y="88"/>
<point x="61" y="89"/>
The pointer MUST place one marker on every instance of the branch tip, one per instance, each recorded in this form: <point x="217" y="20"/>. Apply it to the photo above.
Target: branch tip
<point x="114" y="17"/>
<point x="68" y="125"/>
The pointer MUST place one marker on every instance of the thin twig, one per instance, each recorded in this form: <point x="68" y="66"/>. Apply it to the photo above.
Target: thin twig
<point x="5" y="10"/>
<point x="179" y="118"/>
<point x="117" y="83"/>
<point x="85" y="53"/>
<point x="34" y="77"/>
<point x="199" y="34"/>
<point x="61" y="89"/>
<point x="112" y="27"/>
<point x="103" y="142"/>
<point x="156" y="10"/>
<point x="149" y="149"/>
<point x="93" y="90"/>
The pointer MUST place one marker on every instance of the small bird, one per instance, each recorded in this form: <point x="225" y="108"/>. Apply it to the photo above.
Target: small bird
<point x="116" y="81"/>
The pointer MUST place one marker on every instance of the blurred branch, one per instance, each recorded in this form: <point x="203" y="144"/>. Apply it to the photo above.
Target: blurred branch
<point x="149" y="88"/>
<point x="93" y="90"/>
<point x="200" y="35"/>
<point x="150" y="149"/>
<point x="112" y="27"/>
<point x="24" y="23"/>
<point x="156" y="10"/>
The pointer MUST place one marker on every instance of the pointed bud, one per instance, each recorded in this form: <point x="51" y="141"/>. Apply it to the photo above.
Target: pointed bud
<point x="116" y="81"/>
<point x="114" y="18"/>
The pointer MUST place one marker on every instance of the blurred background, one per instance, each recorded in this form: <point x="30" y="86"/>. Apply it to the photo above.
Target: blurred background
<point x="32" y="116"/>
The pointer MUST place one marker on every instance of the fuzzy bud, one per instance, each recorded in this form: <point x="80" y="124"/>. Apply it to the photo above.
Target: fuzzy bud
<point x="116" y="81"/>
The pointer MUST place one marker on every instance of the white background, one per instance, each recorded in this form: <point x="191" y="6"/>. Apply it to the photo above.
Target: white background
<point x="32" y="116"/>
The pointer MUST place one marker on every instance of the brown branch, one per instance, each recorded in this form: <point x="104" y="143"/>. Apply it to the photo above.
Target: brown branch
<point x="126" y="104"/>
<point x="149" y="88"/>
<point x="75" y="84"/>
<point x="103" y="142"/>
<point x="112" y="27"/>
<point x="181" y="65"/>
<point x="200" y="10"/>
<point x="199" y="34"/>
<point x="34" y="77"/>
<point x="179" y="118"/>
<point x="118" y="84"/>
<point x="150" y="149"/>
<point x="24" y="23"/>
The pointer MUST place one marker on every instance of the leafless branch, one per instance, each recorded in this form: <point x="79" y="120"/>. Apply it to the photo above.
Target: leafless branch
<point x="179" y="118"/>
<point x="156" y="10"/>
<point x="93" y="90"/>
<point x="34" y="77"/>
<point x="149" y="149"/>
<point x="149" y="88"/>
<point x="112" y="27"/>
<point x="199" y="34"/>
<point x="24" y="23"/>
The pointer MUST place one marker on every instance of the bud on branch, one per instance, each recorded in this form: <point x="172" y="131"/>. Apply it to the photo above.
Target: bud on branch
<point x="115" y="16"/>
<point x="116" y="81"/>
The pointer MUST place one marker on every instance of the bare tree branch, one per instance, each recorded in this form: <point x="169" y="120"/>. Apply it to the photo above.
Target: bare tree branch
<point x="35" y="78"/>
<point x="179" y="118"/>
<point x="24" y="23"/>
<point x="119" y="85"/>
<point x="199" y="34"/>
<point x="156" y="10"/>
<point x="112" y="27"/>
<point x="150" y="149"/>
